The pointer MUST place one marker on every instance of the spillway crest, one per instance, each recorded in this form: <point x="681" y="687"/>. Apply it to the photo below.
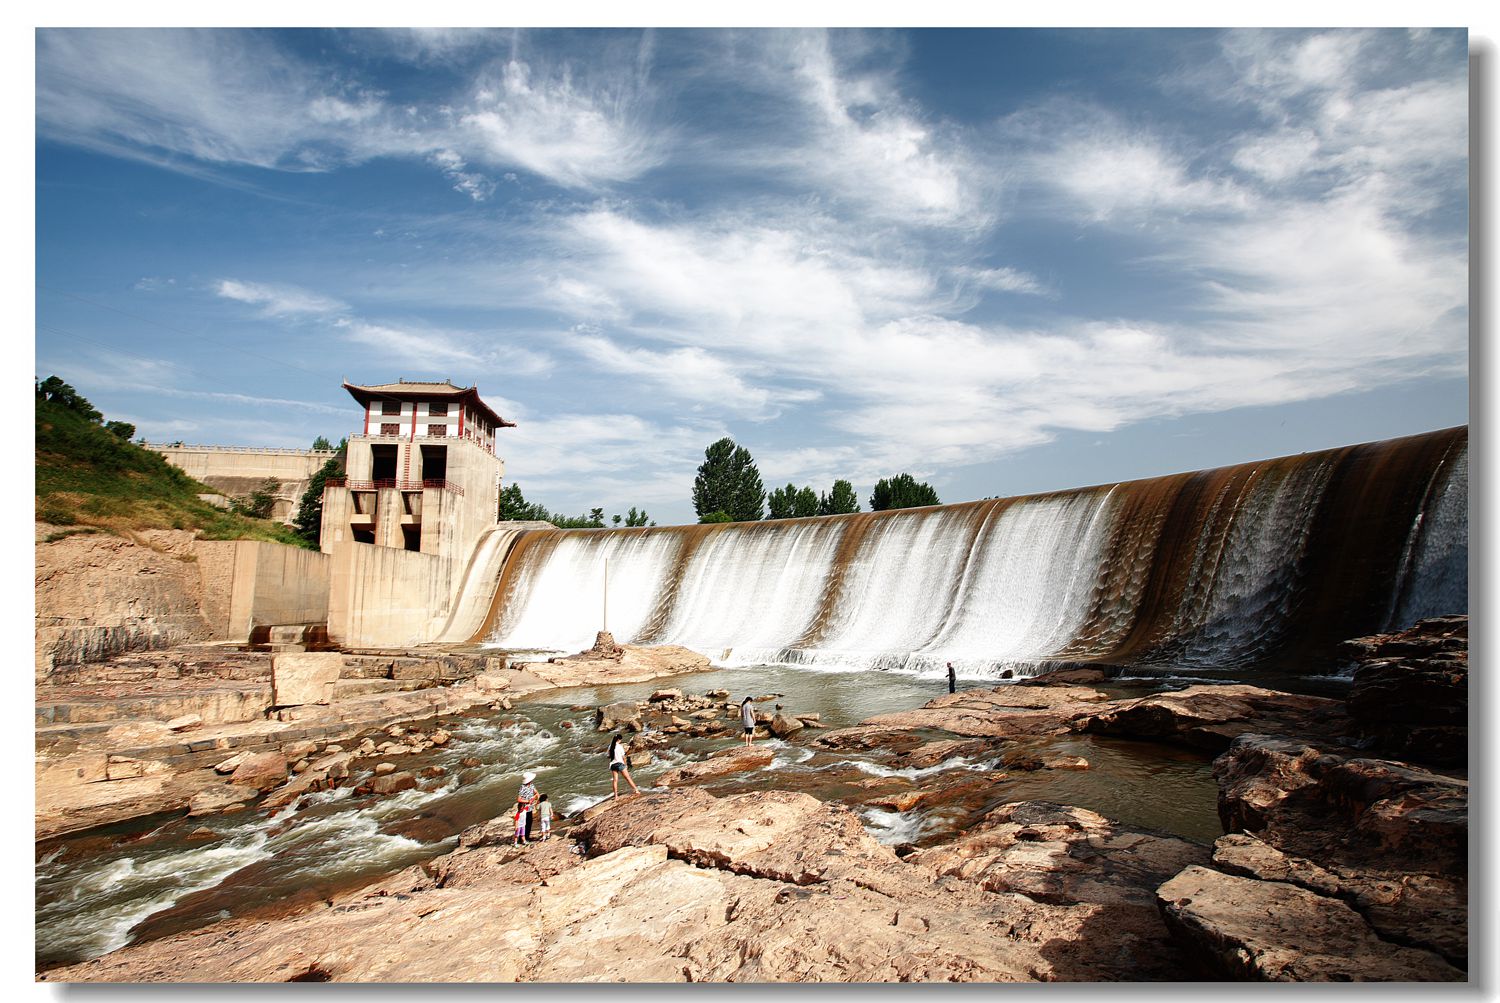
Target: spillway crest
<point x="1268" y="562"/>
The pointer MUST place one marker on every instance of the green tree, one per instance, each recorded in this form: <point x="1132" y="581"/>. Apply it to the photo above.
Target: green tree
<point x="728" y="481"/>
<point x="805" y="503"/>
<point x="259" y="503"/>
<point x="514" y="506"/>
<point x="123" y="429"/>
<point x="616" y="518"/>
<point x="55" y="391"/>
<point x="636" y="518"/>
<point x="779" y="503"/>
<point x="840" y="501"/>
<point x="309" y="518"/>
<point x="596" y="518"/>
<point x="322" y="443"/>
<point x="716" y="517"/>
<point x="902" y="491"/>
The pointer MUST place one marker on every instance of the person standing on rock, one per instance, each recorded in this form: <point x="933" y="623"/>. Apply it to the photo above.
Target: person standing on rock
<point x="747" y="718"/>
<point x="952" y="679"/>
<point x="618" y="763"/>
<point x="526" y="797"/>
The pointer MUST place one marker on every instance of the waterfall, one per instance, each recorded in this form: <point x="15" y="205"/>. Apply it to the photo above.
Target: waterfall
<point x="1265" y="562"/>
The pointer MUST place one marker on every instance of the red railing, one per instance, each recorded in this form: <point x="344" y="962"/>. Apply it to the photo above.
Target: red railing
<point x="433" y="483"/>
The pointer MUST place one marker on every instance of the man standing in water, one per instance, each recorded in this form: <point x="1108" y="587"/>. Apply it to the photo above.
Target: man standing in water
<point x="952" y="679"/>
<point x="747" y="718"/>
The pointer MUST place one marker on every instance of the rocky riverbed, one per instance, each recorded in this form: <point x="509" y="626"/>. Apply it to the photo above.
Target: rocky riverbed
<point x="1332" y="861"/>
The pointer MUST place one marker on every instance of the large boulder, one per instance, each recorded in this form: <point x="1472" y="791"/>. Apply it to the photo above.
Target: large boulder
<point x="1003" y="712"/>
<point x="221" y="797"/>
<point x="1210" y="717"/>
<point x="393" y="783"/>
<point x="1385" y="839"/>
<point x="1410" y="694"/>
<point x="623" y="714"/>
<point x="784" y="727"/>
<point x="261" y="770"/>
<point x="1241" y="928"/>
<point x="304" y="677"/>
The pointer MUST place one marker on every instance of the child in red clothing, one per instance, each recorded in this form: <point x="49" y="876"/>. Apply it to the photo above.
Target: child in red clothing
<point x="520" y="824"/>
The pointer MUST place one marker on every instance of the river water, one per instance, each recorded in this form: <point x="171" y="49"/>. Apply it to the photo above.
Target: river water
<point x="110" y="887"/>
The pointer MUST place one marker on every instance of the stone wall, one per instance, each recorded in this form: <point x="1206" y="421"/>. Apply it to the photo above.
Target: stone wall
<point x="98" y="595"/>
<point x="238" y="470"/>
<point x="381" y="596"/>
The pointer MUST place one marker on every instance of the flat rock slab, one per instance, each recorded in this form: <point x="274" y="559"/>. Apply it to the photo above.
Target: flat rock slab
<point x="720" y="764"/>
<point x="636" y="664"/>
<point x="1003" y="712"/>
<point x="1276" y="932"/>
<point x="1388" y="839"/>
<point x="304" y="677"/>
<point x="1210" y="717"/>
<point x="772" y="834"/>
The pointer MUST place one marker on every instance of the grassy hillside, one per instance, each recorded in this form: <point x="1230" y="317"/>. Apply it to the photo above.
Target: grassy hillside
<point x="90" y="479"/>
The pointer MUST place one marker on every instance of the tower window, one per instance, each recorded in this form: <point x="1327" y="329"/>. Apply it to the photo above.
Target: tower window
<point x="435" y="408"/>
<point x="390" y="407"/>
<point x="437" y="429"/>
<point x="390" y="428"/>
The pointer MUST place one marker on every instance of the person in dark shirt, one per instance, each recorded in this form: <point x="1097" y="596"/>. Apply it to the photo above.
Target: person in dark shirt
<point x="952" y="679"/>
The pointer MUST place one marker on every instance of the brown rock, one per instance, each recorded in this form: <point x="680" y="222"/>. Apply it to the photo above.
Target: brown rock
<point x="1065" y="677"/>
<point x="1006" y="711"/>
<point x="1241" y="928"/>
<point x="470" y="762"/>
<point x="1210" y="717"/>
<point x="384" y="769"/>
<point x="782" y="726"/>
<point x="261" y="770"/>
<point x="720" y="764"/>
<point x="393" y="783"/>
<point x="623" y="714"/>
<point x="215" y="800"/>
<point x="229" y="765"/>
<point x="186" y="722"/>
<point x="304" y="677"/>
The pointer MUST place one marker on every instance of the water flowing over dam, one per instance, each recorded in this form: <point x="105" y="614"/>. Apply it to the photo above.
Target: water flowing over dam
<point x="1272" y="562"/>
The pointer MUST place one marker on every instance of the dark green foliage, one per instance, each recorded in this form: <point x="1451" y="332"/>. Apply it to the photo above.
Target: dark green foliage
<point x="902" y="491"/>
<point x="616" y="518"/>
<point x="840" y="501"/>
<point x="309" y="518"/>
<point x="123" y="429"/>
<point x="728" y="481"/>
<point x="54" y="391"/>
<point x="259" y="503"/>
<point x="636" y="517"/>
<point x="716" y="517"/>
<point x="779" y="502"/>
<point x="513" y="505"/>
<point x="792" y="502"/>
<point x="321" y="442"/>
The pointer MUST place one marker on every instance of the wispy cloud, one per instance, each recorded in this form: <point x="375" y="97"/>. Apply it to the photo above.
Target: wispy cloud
<point x="279" y="300"/>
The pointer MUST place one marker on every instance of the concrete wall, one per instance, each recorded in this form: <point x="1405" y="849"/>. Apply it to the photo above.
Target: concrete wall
<point x="239" y="470"/>
<point x="384" y="597"/>
<point x="248" y="583"/>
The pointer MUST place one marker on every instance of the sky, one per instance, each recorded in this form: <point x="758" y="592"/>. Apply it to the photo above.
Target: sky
<point x="1001" y="260"/>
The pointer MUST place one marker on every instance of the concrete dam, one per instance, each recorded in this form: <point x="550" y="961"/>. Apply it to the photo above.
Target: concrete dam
<point x="1265" y="563"/>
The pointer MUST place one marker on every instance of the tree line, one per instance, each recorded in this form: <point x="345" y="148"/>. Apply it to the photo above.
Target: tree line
<point x="728" y="488"/>
<point x="514" y="506"/>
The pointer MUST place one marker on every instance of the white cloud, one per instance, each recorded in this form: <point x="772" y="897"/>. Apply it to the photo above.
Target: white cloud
<point x="577" y="133"/>
<point x="1005" y="280"/>
<point x="279" y="300"/>
<point x="692" y="374"/>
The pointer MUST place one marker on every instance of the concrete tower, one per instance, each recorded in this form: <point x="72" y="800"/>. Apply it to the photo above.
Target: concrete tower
<point x="422" y="474"/>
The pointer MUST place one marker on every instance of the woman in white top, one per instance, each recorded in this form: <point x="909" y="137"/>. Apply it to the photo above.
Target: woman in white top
<point x="618" y="763"/>
<point x="747" y="718"/>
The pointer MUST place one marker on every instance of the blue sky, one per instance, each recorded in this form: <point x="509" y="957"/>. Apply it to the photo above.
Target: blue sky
<point x="1002" y="260"/>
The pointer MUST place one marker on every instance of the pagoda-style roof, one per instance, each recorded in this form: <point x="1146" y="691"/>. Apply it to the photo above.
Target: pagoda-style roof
<point x="423" y="390"/>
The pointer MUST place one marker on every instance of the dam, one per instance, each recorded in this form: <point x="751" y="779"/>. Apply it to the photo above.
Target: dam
<point x="1268" y="562"/>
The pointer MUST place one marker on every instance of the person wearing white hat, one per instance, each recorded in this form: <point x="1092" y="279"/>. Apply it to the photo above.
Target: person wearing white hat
<point x="527" y="798"/>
